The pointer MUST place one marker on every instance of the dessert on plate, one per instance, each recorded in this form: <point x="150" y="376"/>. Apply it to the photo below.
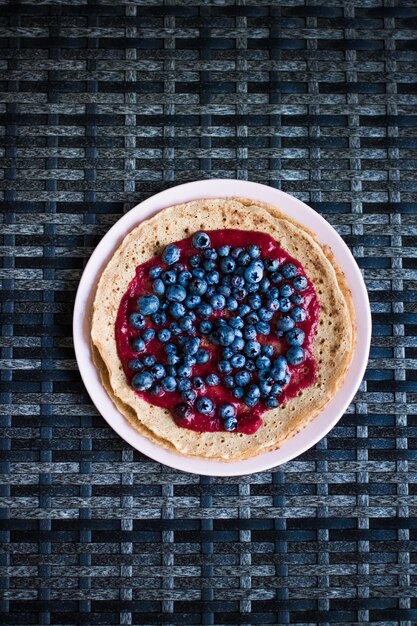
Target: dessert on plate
<point x="221" y="328"/>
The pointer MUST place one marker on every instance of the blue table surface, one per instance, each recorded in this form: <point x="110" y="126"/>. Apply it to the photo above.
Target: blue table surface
<point x="102" y="105"/>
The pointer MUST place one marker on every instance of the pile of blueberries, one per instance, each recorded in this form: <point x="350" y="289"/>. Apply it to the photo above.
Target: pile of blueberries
<point x="248" y="292"/>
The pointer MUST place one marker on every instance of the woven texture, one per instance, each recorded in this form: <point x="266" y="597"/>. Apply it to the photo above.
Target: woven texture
<point x="103" y="105"/>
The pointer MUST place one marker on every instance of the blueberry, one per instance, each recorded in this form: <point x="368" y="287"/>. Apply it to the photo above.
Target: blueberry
<point x="232" y="304"/>
<point x="213" y="278"/>
<point x="169" y="277"/>
<point x="278" y="375"/>
<point x="204" y="405"/>
<point x="191" y="345"/>
<point x="212" y="380"/>
<point x="273" y="293"/>
<point x="205" y="327"/>
<point x="255" y="301"/>
<point x="228" y="381"/>
<point x="148" y="335"/>
<point x="272" y="304"/>
<point x="265" y="315"/>
<point x="242" y="378"/>
<point x="182" y="410"/>
<point x="223" y="335"/>
<point x="138" y="345"/>
<point x="263" y="328"/>
<point x="176" y="293"/>
<point x="250" y="365"/>
<point x="177" y="309"/>
<point x="136" y="365"/>
<point x="148" y="304"/>
<point x="184" y="384"/>
<point x="276" y="389"/>
<point x="264" y="375"/>
<point x="227" y="353"/>
<point x="254" y="251"/>
<point x="184" y="278"/>
<point x="171" y="254"/>
<point x="171" y="371"/>
<point x="252" y="318"/>
<point x="210" y="253"/>
<point x="284" y="305"/>
<point x="300" y="283"/>
<point x="201" y="240"/>
<point x="295" y="355"/>
<point x="249" y="332"/>
<point x="185" y="371"/>
<point x="296" y="298"/>
<point x="137" y="321"/>
<point x="192" y="301"/>
<point x="235" y="252"/>
<point x="170" y="348"/>
<point x="202" y="356"/>
<point x="265" y="388"/>
<point x="198" y="383"/>
<point x="227" y="280"/>
<point x="289" y="270"/>
<point x="250" y="401"/>
<point x="238" y="392"/>
<point x="271" y="264"/>
<point x="224" y="366"/>
<point x="195" y="260"/>
<point x="276" y="277"/>
<point x="158" y="370"/>
<point x="264" y="285"/>
<point x="197" y="272"/>
<point x="159" y="318"/>
<point x="298" y="314"/>
<point x="158" y="287"/>
<point x="252" y="349"/>
<point x="155" y="271"/>
<point x="263" y="362"/>
<point x="169" y="383"/>
<point x="186" y="323"/>
<point x="218" y="302"/>
<point x="230" y="424"/>
<point x="295" y="337"/>
<point x="149" y="360"/>
<point x="227" y="265"/>
<point x="227" y="410"/>
<point x="189" y="395"/>
<point x="238" y="343"/>
<point x="173" y="359"/>
<point x="164" y="335"/>
<point x="244" y="309"/>
<point x="285" y="323"/>
<point x="285" y="290"/>
<point x="271" y="403"/>
<point x="244" y="258"/>
<point x="155" y="390"/>
<point x="142" y="381"/>
<point x="174" y="326"/>
<point x="190" y="360"/>
<point x="238" y="281"/>
<point x="238" y="361"/>
<point x="224" y="290"/>
<point x="197" y="286"/>
<point x="268" y="350"/>
<point x="224" y="250"/>
<point x="254" y="272"/>
<point x="236" y="322"/>
<point x="204" y="310"/>
<point x="253" y="391"/>
<point x="281" y="363"/>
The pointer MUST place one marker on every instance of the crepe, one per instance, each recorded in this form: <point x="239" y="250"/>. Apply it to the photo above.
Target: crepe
<point x="333" y="346"/>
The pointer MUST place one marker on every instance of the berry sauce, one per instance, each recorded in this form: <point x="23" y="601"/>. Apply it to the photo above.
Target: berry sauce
<point x="249" y="419"/>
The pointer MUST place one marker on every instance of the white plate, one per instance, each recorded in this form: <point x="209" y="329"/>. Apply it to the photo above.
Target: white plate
<point x="321" y="425"/>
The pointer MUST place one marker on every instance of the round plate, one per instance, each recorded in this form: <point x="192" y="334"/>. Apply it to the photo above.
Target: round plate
<point x="321" y="425"/>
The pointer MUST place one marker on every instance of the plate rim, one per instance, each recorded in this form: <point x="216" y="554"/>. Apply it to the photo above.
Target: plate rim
<point x="96" y="263"/>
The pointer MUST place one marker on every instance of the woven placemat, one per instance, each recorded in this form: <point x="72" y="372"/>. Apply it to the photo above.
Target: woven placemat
<point x="103" y="104"/>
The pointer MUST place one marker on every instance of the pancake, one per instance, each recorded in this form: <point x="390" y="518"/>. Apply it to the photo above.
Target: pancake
<point x="333" y="346"/>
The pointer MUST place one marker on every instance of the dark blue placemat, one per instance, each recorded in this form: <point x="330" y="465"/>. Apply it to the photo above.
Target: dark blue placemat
<point x="103" y="104"/>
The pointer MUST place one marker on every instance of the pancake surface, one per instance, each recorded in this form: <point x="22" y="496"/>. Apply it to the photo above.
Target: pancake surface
<point x="333" y="347"/>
